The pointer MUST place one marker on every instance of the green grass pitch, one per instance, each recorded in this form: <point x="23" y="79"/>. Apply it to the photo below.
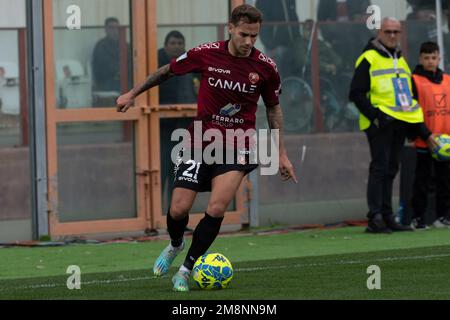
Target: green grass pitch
<point x="314" y="264"/>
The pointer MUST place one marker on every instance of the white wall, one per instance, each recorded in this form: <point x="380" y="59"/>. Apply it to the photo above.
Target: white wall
<point x="78" y="44"/>
<point x="12" y="13"/>
<point x="176" y="12"/>
<point x="93" y="12"/>
<point x="398" y="8"/>
<point x="192" y="11"/>
<point x="9" y="46"/>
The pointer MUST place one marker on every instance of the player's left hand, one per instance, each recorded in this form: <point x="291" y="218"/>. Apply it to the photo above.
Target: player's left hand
<point x="286" y="169"/>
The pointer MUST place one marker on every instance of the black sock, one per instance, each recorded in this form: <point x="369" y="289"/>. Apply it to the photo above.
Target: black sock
<point x="204" y="235"/>
<point x="176" y="229"/>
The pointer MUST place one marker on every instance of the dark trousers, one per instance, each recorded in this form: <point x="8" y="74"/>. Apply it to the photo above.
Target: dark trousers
<point x="386" y="144"/>
<point x="425" y="165"/>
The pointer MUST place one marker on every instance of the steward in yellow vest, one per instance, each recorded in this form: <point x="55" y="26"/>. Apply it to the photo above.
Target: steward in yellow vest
<point x="381" y="89"/>
<point x="389" y="84"/>
<point x="387" y="77"/>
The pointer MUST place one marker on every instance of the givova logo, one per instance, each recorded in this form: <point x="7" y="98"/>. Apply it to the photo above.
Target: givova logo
<point x="218" y="70"/>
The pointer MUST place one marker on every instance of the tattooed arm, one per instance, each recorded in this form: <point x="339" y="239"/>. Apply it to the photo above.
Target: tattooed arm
<point x="125" y="101"/>
<point x="275" y="119"/>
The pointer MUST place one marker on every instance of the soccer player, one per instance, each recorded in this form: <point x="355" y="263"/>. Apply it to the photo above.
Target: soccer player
<point x="234" y="76"/>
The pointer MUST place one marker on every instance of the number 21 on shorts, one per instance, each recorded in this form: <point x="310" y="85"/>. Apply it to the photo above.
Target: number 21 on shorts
<point x="193" y="165"/>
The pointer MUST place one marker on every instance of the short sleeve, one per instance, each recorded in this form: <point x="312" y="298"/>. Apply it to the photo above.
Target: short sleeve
<point x="271" y="89"/>
<point x="190" y="61"/>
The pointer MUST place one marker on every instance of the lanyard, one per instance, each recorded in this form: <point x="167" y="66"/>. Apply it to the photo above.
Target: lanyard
<point x="397" y="72"/>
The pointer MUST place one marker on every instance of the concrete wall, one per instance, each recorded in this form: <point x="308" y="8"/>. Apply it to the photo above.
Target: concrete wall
<point x="15" y="196"/>
<point x="332" y="182"/>
<point x="96" y="182"/>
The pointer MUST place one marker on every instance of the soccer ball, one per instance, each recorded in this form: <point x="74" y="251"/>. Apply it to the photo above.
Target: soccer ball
<point x="443" y="152"/>
<point x="212" y="271"/>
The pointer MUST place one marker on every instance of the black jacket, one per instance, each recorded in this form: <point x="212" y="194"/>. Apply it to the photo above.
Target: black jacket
<point x="106" y="65"/>
<point x="178" y="89"/>
<point x="435" y="77"/>
<point x="283" y="34"/>
<point x="360" y="86"/>
<point x="327" y="9"/>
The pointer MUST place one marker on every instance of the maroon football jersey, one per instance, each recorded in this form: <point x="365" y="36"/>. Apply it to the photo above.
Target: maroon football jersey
<point x="230" y="86"/>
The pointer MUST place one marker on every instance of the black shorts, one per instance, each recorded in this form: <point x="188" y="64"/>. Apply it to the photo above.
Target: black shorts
<point x="197" y="176"/>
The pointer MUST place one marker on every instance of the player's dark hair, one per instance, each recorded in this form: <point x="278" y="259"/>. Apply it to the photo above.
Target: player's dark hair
<point x="247" y="14"/>
<point x="111" y="19"/>
<point x="429" y="47"/>
<point x="173" y="34"/>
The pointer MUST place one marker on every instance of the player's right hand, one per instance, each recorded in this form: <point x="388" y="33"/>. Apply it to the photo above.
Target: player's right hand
<point x="286" y="169"/>
<point x="124" y="102"/>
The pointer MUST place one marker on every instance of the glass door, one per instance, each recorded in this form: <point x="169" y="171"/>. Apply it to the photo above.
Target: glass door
<point x="15" y="174"/>
<point x="97" y="158"/>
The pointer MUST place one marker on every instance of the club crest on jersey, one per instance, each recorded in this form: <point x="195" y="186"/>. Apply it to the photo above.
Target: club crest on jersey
<point x="230" y="110"/>
<point x="253" y="77"/>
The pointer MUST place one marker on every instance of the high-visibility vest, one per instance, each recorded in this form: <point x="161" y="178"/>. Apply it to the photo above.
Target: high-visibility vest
<point x="435" y="102"/>
<point x="382" y="92"/>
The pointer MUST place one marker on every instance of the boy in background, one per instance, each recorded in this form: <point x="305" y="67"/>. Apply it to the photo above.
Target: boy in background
<point x="432" y="90"/>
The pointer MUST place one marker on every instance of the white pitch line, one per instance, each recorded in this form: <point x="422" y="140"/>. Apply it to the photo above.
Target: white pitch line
<point x="306" y="265"/>
<point x="108" y="281"/>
